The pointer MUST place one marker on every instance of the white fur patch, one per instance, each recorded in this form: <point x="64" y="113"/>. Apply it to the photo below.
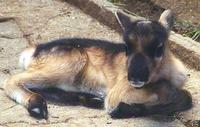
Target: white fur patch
<point x="26" y="57"/>
<point x="137" y="84"/>
<point x="36" y="110"/>
<point x="68" y="88"/>
<point x="17" y="96"/>
<point x="101" y="92"/>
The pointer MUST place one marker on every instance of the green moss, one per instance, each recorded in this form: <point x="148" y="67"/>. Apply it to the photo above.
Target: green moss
<point x="195" y="34"/>
<point x="115" y="1"/>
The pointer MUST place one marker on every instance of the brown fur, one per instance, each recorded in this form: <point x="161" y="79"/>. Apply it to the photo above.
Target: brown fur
<point x="94" y="70"/>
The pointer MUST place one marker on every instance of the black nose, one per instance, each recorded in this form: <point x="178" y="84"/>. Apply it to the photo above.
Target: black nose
<point x="140" y="75"/>
<point x="138" y="69"/>
<point x="132" y="79"/>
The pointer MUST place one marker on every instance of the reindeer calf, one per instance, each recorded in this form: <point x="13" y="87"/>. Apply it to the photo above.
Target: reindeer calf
<point x="138" y="78"/>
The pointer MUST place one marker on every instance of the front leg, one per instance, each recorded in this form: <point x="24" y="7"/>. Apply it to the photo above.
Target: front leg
<point x="123" y="100"/>
<point x="162" y="98"/>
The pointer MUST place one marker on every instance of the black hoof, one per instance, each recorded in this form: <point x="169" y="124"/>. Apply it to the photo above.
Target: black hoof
<point x="37" y="107"/>
<point x="124" y="110"/>
<point x="186" y="100"/>
<point x="94" y="102"/>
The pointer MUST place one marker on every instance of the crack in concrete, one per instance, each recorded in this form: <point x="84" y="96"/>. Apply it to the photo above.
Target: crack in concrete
<point x="56" y="122"/>
<point x="13" y="122"/>
<point x="6" y="19"/>
<point x="43" y="26"/>
<point x="46" y="123"/>
<point x="5" y="71"/>
<point x="27" y="35"/>
<point x="9" y="37"/>
<point x="9" y="108"/>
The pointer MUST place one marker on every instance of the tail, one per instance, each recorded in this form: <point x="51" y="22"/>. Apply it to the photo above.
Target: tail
<point x="25" y="57"/>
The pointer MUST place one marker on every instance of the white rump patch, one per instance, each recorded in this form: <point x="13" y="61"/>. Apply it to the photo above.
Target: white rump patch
<point x="26" y="57"/>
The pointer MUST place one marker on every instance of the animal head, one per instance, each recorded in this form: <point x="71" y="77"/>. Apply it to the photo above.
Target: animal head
<point x="146" y="42"/>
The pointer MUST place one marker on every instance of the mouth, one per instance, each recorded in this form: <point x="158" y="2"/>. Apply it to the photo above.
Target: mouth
<point x="137" y="84"/>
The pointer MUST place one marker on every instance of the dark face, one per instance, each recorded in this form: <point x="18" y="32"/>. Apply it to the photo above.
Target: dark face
<point x="145" y="49"/>
<point x="145" y="42"/>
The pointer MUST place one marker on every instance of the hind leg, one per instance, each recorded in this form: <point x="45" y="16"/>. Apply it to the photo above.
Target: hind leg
<point x="16" y="87"/>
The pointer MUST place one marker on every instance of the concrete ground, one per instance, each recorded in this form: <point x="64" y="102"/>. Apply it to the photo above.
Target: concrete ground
<point x="23" y="22"/>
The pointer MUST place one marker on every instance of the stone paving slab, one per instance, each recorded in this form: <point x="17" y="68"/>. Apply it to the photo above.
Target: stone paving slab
<point x="192" y="115"/>
<point x="43" y="21"/>
<point x="56" y="20"/>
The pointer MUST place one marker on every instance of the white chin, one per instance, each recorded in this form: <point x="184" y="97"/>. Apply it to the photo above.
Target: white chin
<point x="137" y="84"/>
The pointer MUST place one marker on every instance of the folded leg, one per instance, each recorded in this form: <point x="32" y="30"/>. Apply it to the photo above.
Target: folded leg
<point x="17" y="88"/>
<point x="160" y="98"/>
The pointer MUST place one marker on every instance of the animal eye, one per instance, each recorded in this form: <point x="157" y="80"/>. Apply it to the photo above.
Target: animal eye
<point x="159" y="51"/>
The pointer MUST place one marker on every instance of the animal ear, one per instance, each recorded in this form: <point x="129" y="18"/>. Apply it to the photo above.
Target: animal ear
<point x="167" y="19"/>
<point x="123" y="19"/>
